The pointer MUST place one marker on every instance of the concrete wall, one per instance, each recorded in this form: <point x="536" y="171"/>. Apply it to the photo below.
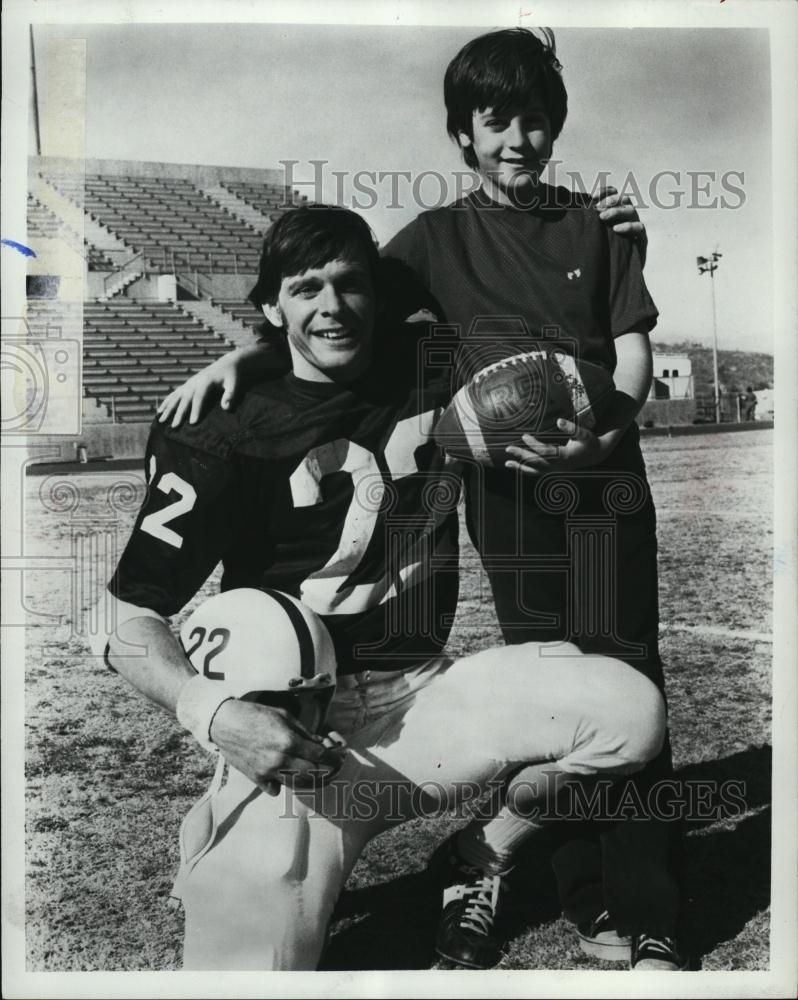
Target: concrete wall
<point x="195" y="173"/>
<point x="93" y="411"/>
<point x="63" y="258"/>
<point x="160" y="287"/>
<point x="95" y="284"/>
<point x="232" y="286"/>
<point x="663" y="412"/>
<point x="765" y="404"/>
<point x="670" y="361"/>
<point x="101" y="440"/>
<point x="671" y="388"/>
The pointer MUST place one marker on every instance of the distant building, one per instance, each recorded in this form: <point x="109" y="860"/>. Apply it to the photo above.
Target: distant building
<point x="764" y="404"/>
<point x="673" y="377"/>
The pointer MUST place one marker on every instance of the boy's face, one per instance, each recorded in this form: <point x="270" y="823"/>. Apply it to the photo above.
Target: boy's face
<point x="511" y="148"/>
<point x="328" y="315"/>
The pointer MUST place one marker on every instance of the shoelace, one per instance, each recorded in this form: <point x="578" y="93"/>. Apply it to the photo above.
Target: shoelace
<point x="664" y="945"/>
<point x="480" y="911"/>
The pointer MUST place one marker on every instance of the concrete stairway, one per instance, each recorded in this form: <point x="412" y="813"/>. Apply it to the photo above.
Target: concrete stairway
<point x="219" y="321"/>
<point x="236" y="206"/>
<point x="119" y="282"/>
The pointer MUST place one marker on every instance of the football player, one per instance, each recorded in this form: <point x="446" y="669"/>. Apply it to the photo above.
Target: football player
<point x="326" y="485"/>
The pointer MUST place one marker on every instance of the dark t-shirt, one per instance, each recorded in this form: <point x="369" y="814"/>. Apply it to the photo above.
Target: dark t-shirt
<point x="499" y="272"/>
<point x="335" y="494"/>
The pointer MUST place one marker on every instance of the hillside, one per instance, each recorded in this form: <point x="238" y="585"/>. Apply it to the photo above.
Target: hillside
<point x="736" y="369"/>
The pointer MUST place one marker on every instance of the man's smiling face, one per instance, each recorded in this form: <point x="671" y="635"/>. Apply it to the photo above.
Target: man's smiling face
<point x="328" y="315"/>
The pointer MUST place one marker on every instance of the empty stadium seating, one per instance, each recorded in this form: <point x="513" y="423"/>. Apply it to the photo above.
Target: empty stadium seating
<point x="244" y="312"/>
<point x="53" y="318"/>
<point x="135" y="353"/>
<point x="97" y="260"/>
<point x="43" y="223"/>
<point x="270" y="200"/>
<point x="173" y="224"/>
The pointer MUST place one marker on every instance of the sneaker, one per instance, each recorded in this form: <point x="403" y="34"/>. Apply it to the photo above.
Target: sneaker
<point x="655" y="954"/>
<point x="470" y="907"/>
<point x="599" y="939"/>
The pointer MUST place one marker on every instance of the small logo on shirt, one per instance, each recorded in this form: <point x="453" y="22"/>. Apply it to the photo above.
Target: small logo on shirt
<point x="576" y="273"/>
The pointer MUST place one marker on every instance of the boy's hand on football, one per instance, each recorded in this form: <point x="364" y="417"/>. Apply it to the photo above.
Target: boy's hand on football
<point x="583" y="449"/>
<point x="618" y="211"/>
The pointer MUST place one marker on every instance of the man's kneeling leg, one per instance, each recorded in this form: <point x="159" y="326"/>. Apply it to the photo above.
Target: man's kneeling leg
<point x="262" y="895"/>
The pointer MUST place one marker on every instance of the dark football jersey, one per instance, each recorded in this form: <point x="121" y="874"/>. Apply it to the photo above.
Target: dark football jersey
<point x="336" y="494"/>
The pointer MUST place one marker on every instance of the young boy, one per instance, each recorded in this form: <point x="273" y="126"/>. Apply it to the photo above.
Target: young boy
<point x="519" y="259"/>
<point x="515" y="259"/>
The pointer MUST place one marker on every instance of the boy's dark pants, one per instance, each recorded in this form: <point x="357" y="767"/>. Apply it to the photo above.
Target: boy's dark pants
<point x="574" y="557"/>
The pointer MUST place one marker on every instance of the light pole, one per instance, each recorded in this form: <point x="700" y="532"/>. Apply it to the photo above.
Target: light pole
<point x="710" y="264"/>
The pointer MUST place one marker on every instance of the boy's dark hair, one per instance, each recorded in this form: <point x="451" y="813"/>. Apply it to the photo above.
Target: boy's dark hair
<point x="500" y="70"/>
<point x="309" y="237"/>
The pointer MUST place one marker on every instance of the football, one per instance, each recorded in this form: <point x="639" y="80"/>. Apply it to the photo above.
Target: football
<point x="522" y="394"/>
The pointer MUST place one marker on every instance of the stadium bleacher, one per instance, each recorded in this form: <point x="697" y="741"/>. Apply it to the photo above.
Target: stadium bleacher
<point x="170" y="221"/>
<point x="270" y="200"/>
<point x="147" y="222"/>
<point x="43" y="223"/>
<point x="52" y="318"/>
<point x="244" y="312"/>
<point x="97" y="260"/>
<point x="136" y="352"/>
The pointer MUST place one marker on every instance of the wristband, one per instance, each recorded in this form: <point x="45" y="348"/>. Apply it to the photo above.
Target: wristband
<point x="197" y="704"/>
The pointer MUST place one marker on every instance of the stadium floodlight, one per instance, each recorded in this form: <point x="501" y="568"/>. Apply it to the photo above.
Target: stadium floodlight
<point x="710" y="264"/>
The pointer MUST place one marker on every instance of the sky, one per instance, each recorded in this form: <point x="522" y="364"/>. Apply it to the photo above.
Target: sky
<point x="647" y="105"/>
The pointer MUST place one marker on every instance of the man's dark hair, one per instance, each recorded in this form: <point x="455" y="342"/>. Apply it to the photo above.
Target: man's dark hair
<point x="500" y="70"/>
<point x="309" y="237"/>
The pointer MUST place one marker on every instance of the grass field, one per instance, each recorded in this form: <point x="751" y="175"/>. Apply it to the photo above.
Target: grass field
<point x="109" y="778"/>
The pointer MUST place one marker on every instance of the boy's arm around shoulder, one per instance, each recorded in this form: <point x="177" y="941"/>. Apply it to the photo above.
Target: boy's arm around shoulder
<point x="227" y="375"/>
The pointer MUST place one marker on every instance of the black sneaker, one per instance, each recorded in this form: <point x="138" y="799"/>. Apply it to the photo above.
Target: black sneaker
<point x="599" y="939"/>
<point x="655" y="954"/>
<point x="471" y="898"/>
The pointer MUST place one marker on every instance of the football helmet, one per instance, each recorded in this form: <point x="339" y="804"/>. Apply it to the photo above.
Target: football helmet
<point x="267" y="647"/>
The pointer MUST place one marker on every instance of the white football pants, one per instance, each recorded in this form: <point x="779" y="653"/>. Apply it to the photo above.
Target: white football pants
<point x="261" y="874"/>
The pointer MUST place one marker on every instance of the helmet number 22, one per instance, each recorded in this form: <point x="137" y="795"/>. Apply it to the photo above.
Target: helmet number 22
<point x="216" y="639"/>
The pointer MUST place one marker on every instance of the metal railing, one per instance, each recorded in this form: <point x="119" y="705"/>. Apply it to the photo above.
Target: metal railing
<point x="174" y="262"/>
<point x="700" y="409"/>
<point x="731" y="408"/>
<point x="132" y="265"/>
<point x="162" y="260"/>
